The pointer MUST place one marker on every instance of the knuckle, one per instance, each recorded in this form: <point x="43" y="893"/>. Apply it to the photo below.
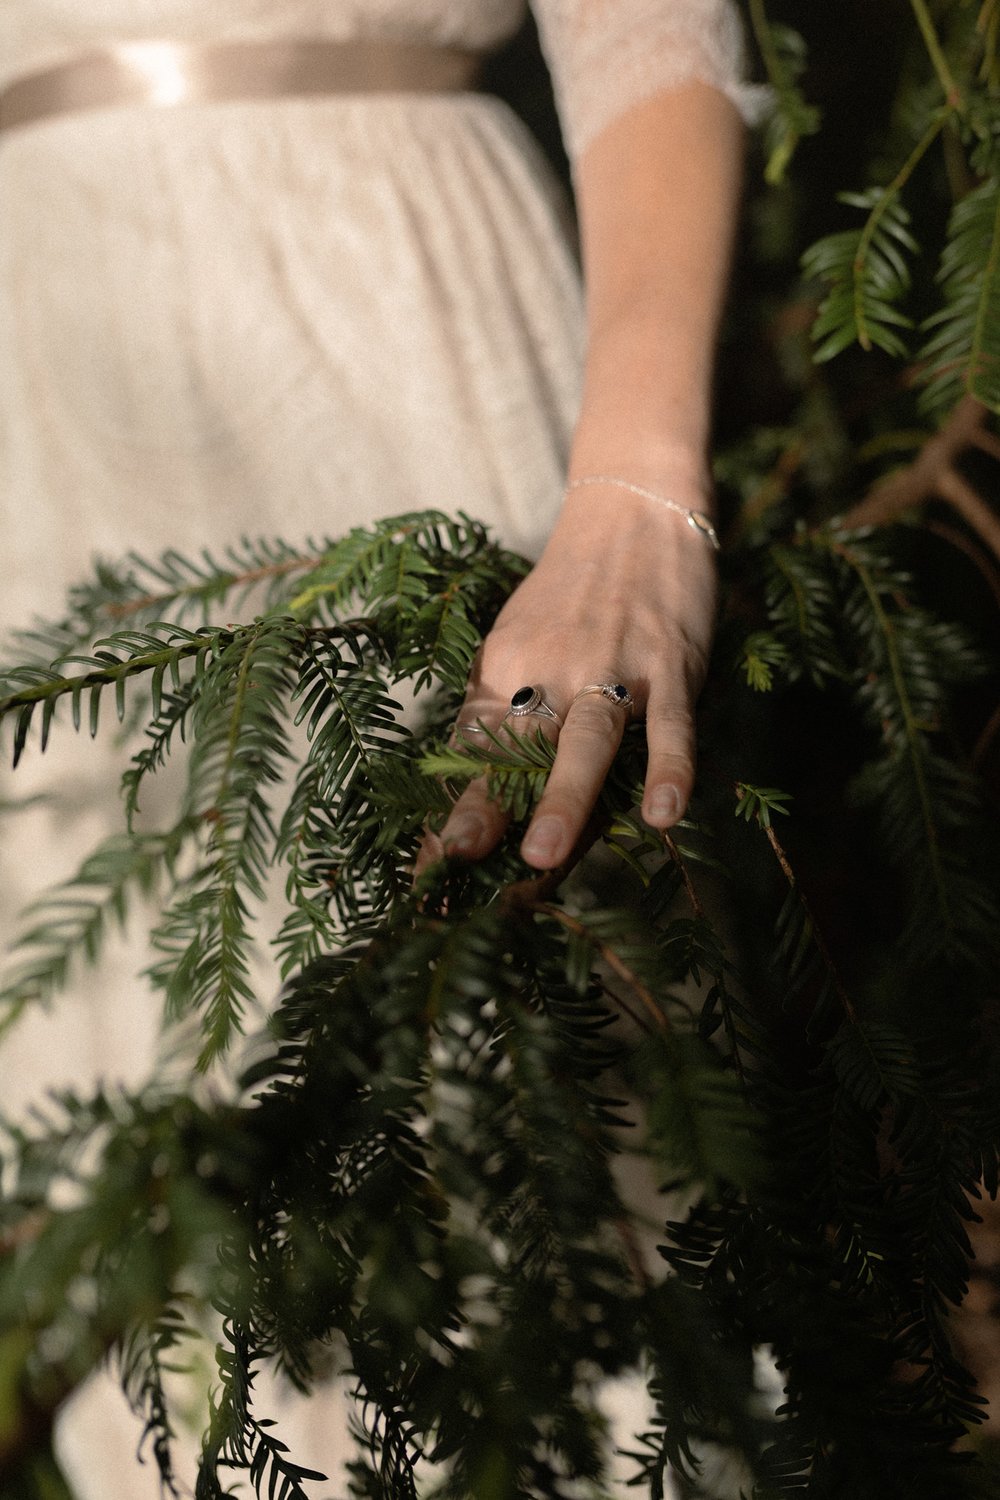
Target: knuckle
<point x="671" y="718"/>
<point x="686" y="655"/>
<point x="592" y="718"/>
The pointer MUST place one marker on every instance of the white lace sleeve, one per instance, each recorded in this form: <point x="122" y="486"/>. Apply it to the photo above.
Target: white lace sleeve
<point x="606" y="55"/>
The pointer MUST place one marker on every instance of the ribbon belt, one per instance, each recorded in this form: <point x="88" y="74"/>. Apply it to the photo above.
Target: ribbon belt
<point x="159" y="73"/>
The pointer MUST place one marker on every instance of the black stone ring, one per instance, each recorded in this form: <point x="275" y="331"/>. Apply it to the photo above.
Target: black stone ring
<point x="615" y="692"/>
<point x="529" y="700"/>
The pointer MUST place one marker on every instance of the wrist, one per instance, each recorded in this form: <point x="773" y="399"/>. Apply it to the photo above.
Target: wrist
<point x="600" y="490"/>
<point x="676" y="471"/>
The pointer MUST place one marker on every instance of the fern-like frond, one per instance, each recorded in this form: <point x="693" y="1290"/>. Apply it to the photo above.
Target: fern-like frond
<point x="917" y="792"/>
<point x="866" y="274"/>
<point x="962" y="351"/>
<point x="387" y="1441"/>
<point x="791" y="118"/>
<point x="762" y="653"/>
<point x="875" y="1062"/>
<point x="147" y="1354"/>
<point x="802" y="611"/>
<point x="170" y="712"/>
<point x="516" y="767"/>
<point x="159" y="652"/>
<point x="343" y="855"/>
<point x="68" y="926"/>
<point x="395" y="561"/>
<point x="699" y="1116"/>
<point x="239" y="734"/>
<point x="237" y="1438"/>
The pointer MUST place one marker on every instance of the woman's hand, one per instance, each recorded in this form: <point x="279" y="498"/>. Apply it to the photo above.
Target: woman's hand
<point x="623" y="593"/>
<point x="625" y="589"/>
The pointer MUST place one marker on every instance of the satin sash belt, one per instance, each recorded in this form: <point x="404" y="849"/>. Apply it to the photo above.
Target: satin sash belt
<point x="160" y="73"/>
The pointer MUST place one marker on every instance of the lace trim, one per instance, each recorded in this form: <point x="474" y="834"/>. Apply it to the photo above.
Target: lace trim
<point x="608" y="55"/>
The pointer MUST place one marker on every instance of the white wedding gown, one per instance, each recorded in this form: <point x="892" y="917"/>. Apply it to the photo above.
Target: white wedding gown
<point x="279" y="317"/>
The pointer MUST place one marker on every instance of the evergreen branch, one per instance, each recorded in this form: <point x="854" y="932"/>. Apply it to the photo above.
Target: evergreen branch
<point x="737" y="1034"/>
<point x="934" y="473"/>
<point x="988" y="27"/>
<point x="950" y="89"/>
<point x="338" y="848"/>
<point x="238" y="1439"/>
<point x="144" y="653"/>
<point x="143" y="1365"/>
<point x="170" y="715"/>
<point x="153" y="589"/>
<point x="875" y="1063"/>
<point x="393" y="561"/>
<point x="911" y="731"/>
<point x="681" y="866"/>
<point x="613" y="960"/>
<point x="761" y="654"/>
<point x="516" y="767"/>
<point x="866" y="270"/>
<point x="211" y="584"/>
<point x="392" y="1452"/>
<point x="962" y="352"/>
<point x="760" y="803"/>
<point x="802" y="615"/>
<point x="880" y="210"/>
<point x="239" y="747"/>
<point x="757" y="804"/>
<point x="783" y="54"/>
<point x="358" y="563"/>
<point x="440" y="641"/>
<point x="70" y="923"/>
<point x="697" y="1110"/>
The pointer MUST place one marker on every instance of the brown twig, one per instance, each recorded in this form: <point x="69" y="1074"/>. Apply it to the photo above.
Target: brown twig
<point x="615" y="963"/>
<point x="239" y="580"/>
<point x="692" y="894"/>
<point x="934" y="474"/>
<point x="977" y="555"/>
<point x="530" y="894"/>
<point x="977" y="515"/>
<point x="987" y="443"/>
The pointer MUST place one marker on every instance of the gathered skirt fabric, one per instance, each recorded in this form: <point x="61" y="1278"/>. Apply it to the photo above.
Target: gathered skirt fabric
<point x="277" y="319"/>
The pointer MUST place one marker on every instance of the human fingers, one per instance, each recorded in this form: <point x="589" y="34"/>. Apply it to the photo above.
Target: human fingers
<point x="477" y="822"/>
<point x="467" y="827"/>
<point x="670" y="738"/>
<point x="588" y="743"/>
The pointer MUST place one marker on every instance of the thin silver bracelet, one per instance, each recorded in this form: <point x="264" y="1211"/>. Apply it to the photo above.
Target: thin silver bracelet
<point x="696" y="519"/>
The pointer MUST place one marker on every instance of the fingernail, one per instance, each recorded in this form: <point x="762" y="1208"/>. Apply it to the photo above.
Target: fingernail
<point x="463" y="835"/>
<point x="664" y="805"/>
<point x="543" y="840"/>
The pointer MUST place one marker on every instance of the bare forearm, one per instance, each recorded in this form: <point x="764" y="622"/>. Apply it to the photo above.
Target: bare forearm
<point x="658" y="193"/>
<point x="624" y="592"/>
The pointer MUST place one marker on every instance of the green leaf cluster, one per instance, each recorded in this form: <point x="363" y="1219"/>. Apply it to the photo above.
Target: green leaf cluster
<point x="409" y="1170"/>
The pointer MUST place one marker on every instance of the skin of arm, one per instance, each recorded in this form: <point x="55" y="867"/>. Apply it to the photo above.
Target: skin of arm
<point x="625" y="590"/>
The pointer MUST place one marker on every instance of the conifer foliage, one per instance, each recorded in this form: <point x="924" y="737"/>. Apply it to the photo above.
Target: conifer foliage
<point x="397" y="1164"/>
